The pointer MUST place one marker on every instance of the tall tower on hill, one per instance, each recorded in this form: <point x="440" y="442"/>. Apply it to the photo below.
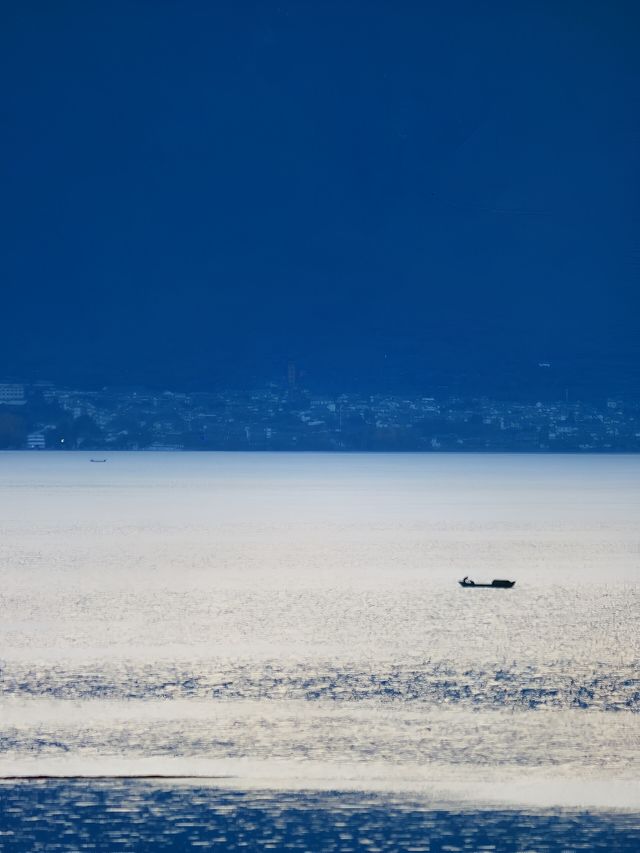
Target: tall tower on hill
<point x="291" y="375"/>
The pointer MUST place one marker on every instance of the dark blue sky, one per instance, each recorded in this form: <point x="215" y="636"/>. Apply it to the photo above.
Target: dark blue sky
<point x="391" y="193"/>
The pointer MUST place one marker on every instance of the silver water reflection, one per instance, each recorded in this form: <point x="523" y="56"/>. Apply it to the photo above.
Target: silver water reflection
<point x="295" y="621"/>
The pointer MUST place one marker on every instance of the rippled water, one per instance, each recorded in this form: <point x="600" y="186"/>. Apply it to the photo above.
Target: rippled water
<point x="109" y="815"/>
<point x="289" y="624"/>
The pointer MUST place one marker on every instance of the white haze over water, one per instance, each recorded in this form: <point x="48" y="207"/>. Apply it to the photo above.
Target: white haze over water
<point x="293" y="621"/>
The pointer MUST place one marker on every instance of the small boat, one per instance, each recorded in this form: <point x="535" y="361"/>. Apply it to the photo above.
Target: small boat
<point x="98" y="460"/>
<point x="495" y="584"/>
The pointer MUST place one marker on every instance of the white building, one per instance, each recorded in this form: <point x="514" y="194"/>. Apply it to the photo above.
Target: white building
<point x="11" y="394"/>
<point x="35" y="441"/>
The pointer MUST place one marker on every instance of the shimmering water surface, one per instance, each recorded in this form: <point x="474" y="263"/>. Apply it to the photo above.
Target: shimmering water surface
<point x="287" y="632"/>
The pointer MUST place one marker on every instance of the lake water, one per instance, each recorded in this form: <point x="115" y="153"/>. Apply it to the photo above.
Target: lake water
<point x="271" y="651"/>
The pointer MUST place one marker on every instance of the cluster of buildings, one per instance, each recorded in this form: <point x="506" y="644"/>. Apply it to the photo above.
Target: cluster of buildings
<point x="45" y="416"/>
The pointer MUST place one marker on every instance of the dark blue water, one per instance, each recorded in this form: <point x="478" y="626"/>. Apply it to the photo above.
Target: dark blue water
<point x="135" y="815"/>
<point x="510" y="685"/>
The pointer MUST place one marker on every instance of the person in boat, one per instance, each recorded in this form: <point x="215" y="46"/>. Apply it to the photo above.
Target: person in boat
<point x="466" y="580"/>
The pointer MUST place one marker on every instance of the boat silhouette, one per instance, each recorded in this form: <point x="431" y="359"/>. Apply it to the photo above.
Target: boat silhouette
<point x="495" y="584"/>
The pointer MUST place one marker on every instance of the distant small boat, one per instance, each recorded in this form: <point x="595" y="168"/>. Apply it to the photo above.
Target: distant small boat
<point x="98" y="460"/>
<point x="495" y="584"/>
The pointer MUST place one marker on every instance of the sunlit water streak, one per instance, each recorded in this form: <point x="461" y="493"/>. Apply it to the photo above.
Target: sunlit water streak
<point x="293" y="623"/>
